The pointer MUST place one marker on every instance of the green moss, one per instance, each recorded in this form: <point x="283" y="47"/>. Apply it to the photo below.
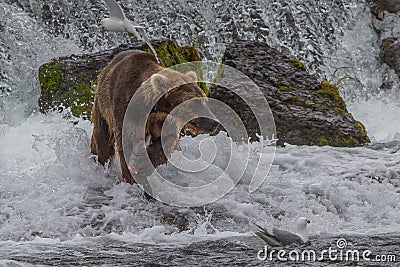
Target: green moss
<point x="298" y="64"/>
<point x="171" y="54"/>
<point x="331" y="94"/>
<point x="347" y="141"/>
<point x="294" y="100"/>
<point x="82" y="98"/>
<point x="338" y="110"/>
<point x="57" y="92"/>
<point x="321" y="107"/>
<point x="321" y="141"/>
<point x="286" y="88"/>
<point x="337" y="138"/>
<point x="363" y="131"/>
<point x="50" y="76"/>
<point x="343" y="141"/>
<point x="203" y="86"/>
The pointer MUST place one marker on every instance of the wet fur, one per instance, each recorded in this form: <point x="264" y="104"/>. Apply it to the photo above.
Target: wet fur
<point x="117" y="83"/>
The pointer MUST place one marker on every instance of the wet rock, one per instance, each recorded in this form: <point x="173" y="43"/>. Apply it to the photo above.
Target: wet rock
<point x="176" y="219"/>
<point x="306" y="111"/>
<point x="391" y="6"/>
<point x="70" y="82"/>
<point x="379" y="6"/>
<point x="390" y="54"/>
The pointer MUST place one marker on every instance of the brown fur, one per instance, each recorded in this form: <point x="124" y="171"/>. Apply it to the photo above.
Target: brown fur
<point x="117" y="83"/>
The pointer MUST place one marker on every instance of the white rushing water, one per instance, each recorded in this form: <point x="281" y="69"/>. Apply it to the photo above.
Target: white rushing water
<point x="51" y="189"/>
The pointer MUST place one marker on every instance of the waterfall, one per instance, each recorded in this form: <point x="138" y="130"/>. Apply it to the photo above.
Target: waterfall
<point x="337" y="40"/>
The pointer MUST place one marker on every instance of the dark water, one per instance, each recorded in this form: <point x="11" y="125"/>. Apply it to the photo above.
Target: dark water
<point x="240" y="251"/>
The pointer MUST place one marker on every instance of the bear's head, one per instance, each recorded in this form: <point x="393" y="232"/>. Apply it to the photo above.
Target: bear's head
<point x="159" y="142"/>
<point x="182" y="89"/>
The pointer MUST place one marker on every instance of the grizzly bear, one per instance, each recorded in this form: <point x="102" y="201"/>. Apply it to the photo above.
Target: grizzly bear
<point x="116" y="85"/>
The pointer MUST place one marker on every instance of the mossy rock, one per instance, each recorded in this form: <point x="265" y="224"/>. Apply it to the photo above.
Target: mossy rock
<point x="306" y="111"/>
<point x="171" y="54"/>
<point x="70" y="82"/>
<point x="77" y="94"/>
<point x="331" y="94"/>
<point x="298" y="64"/>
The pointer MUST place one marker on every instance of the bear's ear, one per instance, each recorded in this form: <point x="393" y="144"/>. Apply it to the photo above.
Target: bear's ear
<point x="192" y="75"/>
<point x="159" y="82"/>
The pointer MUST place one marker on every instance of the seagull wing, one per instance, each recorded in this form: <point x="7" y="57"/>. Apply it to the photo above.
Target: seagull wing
<point x="267" y="237"/>
<point x="133" y="28"/>
<point x="115" y="9"/>
<point x="116" y="13"/>
<point x="262" y="229"/>
<point x="144" y="36"/>
<point x="286" y="237"/>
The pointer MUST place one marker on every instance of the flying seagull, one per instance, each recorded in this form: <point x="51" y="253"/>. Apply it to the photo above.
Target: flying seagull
<point x="283" y="238"/>
<point x="118" y="22"/>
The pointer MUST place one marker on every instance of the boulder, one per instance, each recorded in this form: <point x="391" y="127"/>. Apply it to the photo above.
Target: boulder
<point x="390" y="54"/>
<point x="306" y="111"/>
<point x="391" y="6"/>
<point x="378" y="6"/>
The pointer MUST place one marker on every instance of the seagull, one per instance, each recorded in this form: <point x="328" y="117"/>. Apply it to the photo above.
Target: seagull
<point x="118" y="22"/>
<point x="282" y="238"/>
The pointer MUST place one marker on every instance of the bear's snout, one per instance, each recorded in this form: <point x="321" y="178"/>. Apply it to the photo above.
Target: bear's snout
<point x="202" y="125"/>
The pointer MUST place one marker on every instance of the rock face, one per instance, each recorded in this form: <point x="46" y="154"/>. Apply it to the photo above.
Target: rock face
<point x="390" y="54"/>
<point x="306" y="111"/>
<point x="378" y="6"/>
<point x="391" y="6"/>
<point x="71" y="81"/>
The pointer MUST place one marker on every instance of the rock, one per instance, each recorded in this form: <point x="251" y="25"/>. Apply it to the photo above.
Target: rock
<point x="390" y="54"/>
<point x="392" y="6"/>
<point x="306" y="111"/>
<point x="378" y="6"/>
<point x="376" y="11"/>
<point x="176" y="219"/>
<point x="71" y="81"/>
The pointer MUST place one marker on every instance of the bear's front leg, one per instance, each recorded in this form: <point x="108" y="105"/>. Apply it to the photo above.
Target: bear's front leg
<point x="102" y="142"/>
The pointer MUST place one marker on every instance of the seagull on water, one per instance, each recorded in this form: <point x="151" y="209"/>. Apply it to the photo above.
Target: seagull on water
<point x="118" y="22"/>
<point x="280" y="238"/>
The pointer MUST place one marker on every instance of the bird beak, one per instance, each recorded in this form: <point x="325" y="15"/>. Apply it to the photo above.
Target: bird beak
<point x="308" y="221"/>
